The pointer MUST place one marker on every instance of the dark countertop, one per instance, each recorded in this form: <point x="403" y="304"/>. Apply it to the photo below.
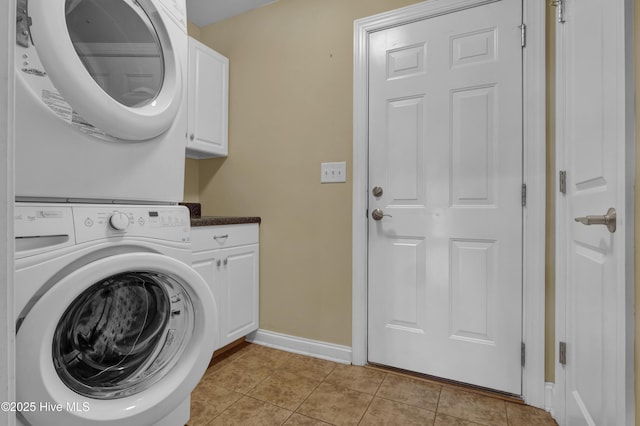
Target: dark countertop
<point x="223" y="220"/>
<point x="198" y="220"/>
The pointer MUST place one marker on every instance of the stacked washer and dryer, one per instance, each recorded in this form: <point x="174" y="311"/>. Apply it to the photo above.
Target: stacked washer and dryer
<point x="113" y="326"/>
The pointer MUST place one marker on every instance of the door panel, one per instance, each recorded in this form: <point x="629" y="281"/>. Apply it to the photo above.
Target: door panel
<point x="591" y="77"/>
<point x="445" y="144"/>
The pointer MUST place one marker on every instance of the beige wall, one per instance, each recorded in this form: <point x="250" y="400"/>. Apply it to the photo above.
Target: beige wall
<point x="191" y="181"/>
<point x="290" y="109"/>
<point x="636" y="44"/>
<point x="550" y="270"/>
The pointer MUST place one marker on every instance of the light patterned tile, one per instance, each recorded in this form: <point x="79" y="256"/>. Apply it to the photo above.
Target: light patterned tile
<point x="312" y="368"/>
<point x="208" y="401"/>
<point x="269" y="357"/>
<point x="525" y="415"/>
<point x="284" y="389"/>
<point x="241" y="375"/>
<point x="385" y="412"/>
<point x="251" y="412"/>
<point x="220" y="361"/>
<point x="444" y="420"/>
<point x="335" y="405"/>
<point x="356" y="378"/>
<point x="473" y="407"/>
<point x="300" y="420"/>
<point x="409" y="391"/>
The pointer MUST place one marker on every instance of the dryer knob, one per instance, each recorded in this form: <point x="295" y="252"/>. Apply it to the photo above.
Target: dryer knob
<point x="119" y="221"/>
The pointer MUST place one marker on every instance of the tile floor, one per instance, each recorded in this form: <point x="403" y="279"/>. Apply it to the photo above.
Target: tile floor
<point x="257" y="385"/>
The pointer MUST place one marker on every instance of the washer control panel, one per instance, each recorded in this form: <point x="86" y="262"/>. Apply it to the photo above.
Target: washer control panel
<point x="68" y="224"/>
<point x="169" y="223"/>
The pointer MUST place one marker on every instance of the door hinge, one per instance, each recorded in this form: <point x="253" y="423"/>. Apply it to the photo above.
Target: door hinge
<point x="563" y="181"/>
<point x="562" y="353"/>
<point x="522" y="353"/>
<point x="523" y="34"/>
<point x="559" y="5"/>
<point x="524" y="195"/>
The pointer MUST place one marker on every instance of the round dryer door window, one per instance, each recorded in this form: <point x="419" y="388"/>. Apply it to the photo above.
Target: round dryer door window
<point x="119" y="335"/>
<point x="118" y="45"/>
<point x="114" y="62"/>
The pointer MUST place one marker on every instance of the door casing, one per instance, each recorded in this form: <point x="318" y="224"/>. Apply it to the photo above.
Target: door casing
<point x="533" y="386"/>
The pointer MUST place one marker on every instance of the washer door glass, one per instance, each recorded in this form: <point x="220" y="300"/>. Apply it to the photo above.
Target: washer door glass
<point x="119" y="46"/>
<point x="122" y="334"/>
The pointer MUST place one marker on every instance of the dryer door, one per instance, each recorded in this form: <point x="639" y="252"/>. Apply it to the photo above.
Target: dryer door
<point x="112" y="61"/>
<point x="126" y="337"/>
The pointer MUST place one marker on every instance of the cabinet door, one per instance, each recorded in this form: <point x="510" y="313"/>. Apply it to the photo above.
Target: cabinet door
<point x="208" y="102"/>
<point x="206" y="264"/>
<point x="240" y="266"/>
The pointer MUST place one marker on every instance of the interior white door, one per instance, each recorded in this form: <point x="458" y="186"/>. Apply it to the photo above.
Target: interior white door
<point x="445" y="149"/>
<point x="594" y="306"/>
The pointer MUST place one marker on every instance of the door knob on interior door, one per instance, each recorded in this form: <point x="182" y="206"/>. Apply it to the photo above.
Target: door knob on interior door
<point x="608" y="220"/>
<point x="378" y="214"/>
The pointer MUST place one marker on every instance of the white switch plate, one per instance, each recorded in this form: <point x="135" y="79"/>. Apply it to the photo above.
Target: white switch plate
<point x="333" y="172"/>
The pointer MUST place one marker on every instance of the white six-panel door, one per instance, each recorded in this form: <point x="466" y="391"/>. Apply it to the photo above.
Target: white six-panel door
<point x="445" y="147"/>
<point x="594" y="281"/>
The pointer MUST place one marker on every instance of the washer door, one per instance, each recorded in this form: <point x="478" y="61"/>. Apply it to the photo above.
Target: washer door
<point x="112" y="61"/>
<point x="122" y="339"/>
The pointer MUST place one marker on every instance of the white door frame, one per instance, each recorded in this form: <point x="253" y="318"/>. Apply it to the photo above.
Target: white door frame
<point x="533" y="387"/>
<point x="7" y="332"/>
<point x="625" y="375"/>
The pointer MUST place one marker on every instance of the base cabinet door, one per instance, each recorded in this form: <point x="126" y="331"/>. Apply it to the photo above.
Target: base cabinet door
<point x="205" y="263"/>
<point x="240" y="272"/>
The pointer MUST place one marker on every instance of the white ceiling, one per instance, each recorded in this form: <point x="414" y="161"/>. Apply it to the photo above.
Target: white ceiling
<point x="205" y="12"/>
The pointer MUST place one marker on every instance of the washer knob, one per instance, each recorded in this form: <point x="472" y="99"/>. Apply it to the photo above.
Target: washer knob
<point x="119" y="221"/>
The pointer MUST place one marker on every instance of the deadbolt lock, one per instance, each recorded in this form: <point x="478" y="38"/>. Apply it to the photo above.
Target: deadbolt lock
<point x="377" y="191"/>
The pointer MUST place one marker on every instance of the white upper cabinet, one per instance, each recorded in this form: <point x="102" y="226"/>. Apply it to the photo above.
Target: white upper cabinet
<point x="208" y="102"/>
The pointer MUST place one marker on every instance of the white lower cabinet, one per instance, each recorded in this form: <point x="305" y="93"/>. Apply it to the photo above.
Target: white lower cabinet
<point x="227" y="257"/>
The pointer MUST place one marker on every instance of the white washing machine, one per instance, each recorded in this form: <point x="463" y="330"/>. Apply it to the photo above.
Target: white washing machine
<point x="114" y="327"/>
<point x="101" y="100"/>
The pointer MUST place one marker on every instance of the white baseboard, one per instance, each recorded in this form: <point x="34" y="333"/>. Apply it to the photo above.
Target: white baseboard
<point x="548" y="396"/>
<point x="302" y="346"/>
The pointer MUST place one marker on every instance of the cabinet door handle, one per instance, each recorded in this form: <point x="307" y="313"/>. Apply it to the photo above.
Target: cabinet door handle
<point x="218" y="262"/>
<point x="225" y="262"/>
<point x="220" y="237"/>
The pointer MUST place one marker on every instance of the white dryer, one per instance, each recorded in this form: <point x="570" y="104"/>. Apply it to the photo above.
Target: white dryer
<point x="101" y="100"/>
<point x="114" y="327"/>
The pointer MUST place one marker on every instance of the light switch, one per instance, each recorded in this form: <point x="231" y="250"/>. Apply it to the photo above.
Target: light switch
<point x="333" y="172"/>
